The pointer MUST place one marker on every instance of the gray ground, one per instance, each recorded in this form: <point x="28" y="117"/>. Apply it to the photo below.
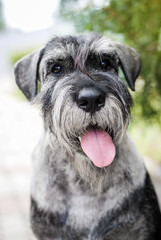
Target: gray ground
<point x="20" y="129"/>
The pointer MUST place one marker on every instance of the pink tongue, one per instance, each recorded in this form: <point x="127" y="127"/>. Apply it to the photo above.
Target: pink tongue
<point x="98" y="146"/>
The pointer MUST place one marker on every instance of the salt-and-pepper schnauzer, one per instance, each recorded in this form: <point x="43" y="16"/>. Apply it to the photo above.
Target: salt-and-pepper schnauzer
<point x="89" y="181"/>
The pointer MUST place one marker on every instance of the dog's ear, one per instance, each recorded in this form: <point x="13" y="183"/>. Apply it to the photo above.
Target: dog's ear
<point x="130" y="63"/>
<point x="26" y="73"/>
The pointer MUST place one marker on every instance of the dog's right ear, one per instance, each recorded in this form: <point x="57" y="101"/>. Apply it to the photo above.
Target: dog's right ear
<point x="26" y="73"/>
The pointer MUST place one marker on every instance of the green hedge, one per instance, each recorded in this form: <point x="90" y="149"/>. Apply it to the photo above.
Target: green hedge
<point x="16" y="56"/>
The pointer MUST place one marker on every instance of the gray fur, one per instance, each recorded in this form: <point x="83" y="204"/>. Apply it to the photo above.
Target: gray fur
<point x="71" y="197"/>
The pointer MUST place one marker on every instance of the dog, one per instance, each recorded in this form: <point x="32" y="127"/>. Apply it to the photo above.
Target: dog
<point x="89" y="181"/>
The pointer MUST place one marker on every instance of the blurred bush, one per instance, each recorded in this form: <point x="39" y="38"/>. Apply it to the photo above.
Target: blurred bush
<point x="18" y="55"/>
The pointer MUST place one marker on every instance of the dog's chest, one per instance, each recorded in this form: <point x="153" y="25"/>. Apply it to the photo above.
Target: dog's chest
<point x="89" y="214"/>
<point x="83" y="214"/>
<point x="89" y="218"/>
<point x="74" y="210"/>
<point x="86" y="211"/>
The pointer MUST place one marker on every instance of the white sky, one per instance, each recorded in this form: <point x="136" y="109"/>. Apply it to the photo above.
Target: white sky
<point x="29" y="15"/>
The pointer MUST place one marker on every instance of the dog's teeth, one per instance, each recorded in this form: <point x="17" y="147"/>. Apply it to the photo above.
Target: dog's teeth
<point x="80" y="139"/>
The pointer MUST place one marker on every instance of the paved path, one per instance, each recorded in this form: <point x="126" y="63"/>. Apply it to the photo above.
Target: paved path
<point x="20" y="129"/>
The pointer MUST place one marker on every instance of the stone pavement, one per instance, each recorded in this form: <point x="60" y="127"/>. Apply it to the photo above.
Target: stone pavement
<point x="20" y="129"/>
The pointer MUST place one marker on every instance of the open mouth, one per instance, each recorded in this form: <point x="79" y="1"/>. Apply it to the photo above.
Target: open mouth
<point x="98" y="146"/>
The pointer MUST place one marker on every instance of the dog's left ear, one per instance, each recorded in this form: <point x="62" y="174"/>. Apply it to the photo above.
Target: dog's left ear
<point x="26" y="73"/>
<point x="130" y="63"/>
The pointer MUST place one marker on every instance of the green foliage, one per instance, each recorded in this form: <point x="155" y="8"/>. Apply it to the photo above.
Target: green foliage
<point x="139" y="24"/>
<point x="16" y="56"/>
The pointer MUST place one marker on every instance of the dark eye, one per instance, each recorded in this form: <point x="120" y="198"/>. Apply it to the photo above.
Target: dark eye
<point x="105" y="64"/>
<point x="57" y="69"/>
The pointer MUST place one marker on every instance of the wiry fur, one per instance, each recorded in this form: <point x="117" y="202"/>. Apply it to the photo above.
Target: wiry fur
<point x="73" y="199"/>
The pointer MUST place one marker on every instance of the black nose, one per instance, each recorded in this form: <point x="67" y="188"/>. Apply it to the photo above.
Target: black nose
<point x="90" y="99"/>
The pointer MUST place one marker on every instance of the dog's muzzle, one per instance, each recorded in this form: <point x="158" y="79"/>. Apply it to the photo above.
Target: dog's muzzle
<point x="95" y="143"/>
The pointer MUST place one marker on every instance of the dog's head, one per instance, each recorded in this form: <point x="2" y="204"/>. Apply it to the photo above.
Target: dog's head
<point x="82" y="97"/>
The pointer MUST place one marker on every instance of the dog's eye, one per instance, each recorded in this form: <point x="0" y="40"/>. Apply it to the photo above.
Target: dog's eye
<point x="105" y="65"/>
<point x="57" y="69"/>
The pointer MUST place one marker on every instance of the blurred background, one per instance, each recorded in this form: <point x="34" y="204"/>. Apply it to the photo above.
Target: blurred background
<point x="29" y="24"/>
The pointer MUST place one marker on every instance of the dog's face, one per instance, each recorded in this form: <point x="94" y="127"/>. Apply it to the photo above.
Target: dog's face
<point x="81" y="93"/>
